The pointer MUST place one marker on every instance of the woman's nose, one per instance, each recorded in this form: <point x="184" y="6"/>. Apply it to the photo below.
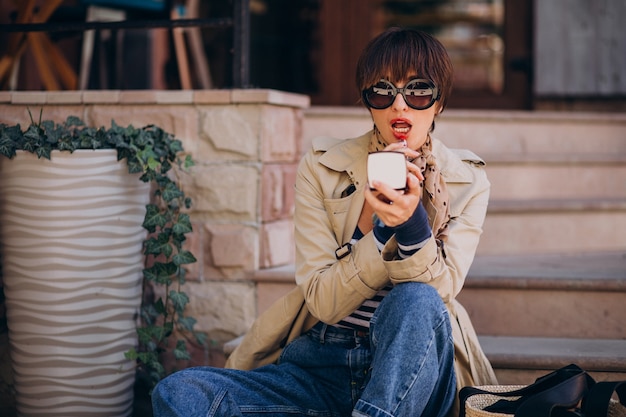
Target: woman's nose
<point x="399" y="103"/>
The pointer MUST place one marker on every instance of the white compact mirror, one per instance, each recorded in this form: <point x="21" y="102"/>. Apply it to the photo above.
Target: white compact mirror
<point x="387" y="167"/>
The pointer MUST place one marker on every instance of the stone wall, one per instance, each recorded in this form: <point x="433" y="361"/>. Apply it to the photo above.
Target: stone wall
<point x="246" y="145"/>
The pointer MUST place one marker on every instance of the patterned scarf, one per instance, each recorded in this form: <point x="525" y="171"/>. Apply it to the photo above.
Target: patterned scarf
<point x="435" y="193"/>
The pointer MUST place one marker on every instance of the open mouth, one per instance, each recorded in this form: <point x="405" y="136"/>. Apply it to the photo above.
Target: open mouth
<point x="400" y="127"/>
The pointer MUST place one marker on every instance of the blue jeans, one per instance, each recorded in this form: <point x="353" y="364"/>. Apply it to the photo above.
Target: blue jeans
<point x="403" y="367"/>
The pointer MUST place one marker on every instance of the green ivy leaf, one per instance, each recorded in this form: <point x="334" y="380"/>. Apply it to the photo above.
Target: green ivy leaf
<point x="201" y="338"/>
<point x="175" y="146"/>
<point x="179" y="300"/>
<point x="153" y="218"/>
<point x="148" y="333"/>
<point x="131" y="354"/>
<point x="180" y="351"/>
<point x="43" y="152"/>
<point x="187" y="323"/>
<point x="149" y="313"/>
<point x="184" y="257"/>
<point x="189" y="162"/>
<point x="183" y="225"/>
<point x="7" y="146"/>
<point x="161" y="273"/>
<point x="171" y="192"/>
<point x="74" y="121"/>
<point x="159" y="307"/>
<point x="158" y="247"/>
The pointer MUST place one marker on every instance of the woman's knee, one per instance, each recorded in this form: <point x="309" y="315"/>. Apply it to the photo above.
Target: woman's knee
<point x="191" y="387"/>
<point x="417" y="295"/>
<point x="410" y="305"/>
<point x="168" y="389"/>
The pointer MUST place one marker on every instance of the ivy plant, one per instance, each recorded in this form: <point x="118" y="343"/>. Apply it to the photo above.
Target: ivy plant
<point x="153" y="153"/>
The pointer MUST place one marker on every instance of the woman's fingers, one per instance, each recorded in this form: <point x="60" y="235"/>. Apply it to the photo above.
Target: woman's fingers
<point x="401" y="147"/>
<point x="393" y="207"/>
<point x="415" y="170"/>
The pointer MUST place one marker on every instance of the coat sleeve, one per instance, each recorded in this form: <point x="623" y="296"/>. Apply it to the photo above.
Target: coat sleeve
<point x="446" y="267"/>
<point x="333" y="288"/>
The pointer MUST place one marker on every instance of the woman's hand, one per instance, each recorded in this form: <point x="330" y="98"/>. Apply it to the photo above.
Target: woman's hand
<point x="394" y="207"/>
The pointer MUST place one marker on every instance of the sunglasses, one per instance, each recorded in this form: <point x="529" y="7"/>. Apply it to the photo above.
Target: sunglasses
<point x="419" y="94"/>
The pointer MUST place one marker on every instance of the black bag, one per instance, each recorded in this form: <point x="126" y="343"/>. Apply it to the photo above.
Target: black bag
<point x="566" y="392"/>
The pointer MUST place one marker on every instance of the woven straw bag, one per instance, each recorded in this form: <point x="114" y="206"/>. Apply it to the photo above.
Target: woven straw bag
<point x="476" y="404"/>
<point x="567" y="392"/>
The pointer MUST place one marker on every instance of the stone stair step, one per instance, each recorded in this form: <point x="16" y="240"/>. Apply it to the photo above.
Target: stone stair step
<point x="549" y="295"/>
<point x="520" y="360"/>
<point x="537" y="132"/>
<point x="564" y="176"/>
<point x="554" y="226"/>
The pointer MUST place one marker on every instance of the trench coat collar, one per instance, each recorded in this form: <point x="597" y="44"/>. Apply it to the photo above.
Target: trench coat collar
<point x="346" y="155"/>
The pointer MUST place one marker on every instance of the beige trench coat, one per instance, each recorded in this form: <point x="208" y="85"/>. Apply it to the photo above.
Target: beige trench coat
<point x="330" y="289"/>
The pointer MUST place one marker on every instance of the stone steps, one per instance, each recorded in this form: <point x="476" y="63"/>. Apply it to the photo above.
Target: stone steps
<point x="567" y="177"/>
<point x="534" y="226"/>
<point x="572" y="296"/>
<point x="521" y="360"/>
<point x="537" y="313"/>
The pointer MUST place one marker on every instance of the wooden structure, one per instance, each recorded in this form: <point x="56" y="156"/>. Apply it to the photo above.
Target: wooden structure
<point x="53" y="68"/>
<point x="30" y="28"/>
<point x="584" y="52"/>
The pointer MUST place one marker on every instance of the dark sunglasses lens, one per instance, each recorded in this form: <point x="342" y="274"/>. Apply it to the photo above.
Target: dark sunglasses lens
<point x="380" y="96"/>
<point x="419" y="94"/>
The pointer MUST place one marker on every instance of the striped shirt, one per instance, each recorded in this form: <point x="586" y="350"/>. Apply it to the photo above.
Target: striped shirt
<point x="416" y="238"/>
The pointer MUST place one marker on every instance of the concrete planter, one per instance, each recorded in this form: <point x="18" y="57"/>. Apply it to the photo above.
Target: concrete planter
<point x="71" y="237"/>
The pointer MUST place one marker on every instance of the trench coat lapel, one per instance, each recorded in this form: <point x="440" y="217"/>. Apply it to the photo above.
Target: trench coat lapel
<point x="349" y="156"/>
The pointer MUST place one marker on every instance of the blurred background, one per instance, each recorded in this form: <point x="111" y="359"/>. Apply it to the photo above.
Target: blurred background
<point x="508" y="54"/>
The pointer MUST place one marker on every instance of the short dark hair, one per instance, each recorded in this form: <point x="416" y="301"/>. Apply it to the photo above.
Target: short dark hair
<point x="398" y="53"/>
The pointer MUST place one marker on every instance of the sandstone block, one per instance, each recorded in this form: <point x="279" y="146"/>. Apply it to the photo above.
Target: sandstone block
<point x="224" y="310"/>
<point x="223" y="192"/>
<point x="228" y="133"/>
<point x="277" y="191"/>
<point x="280" y="128"/>
<point x="277" y="244"/>
<point x="233" y="246"/>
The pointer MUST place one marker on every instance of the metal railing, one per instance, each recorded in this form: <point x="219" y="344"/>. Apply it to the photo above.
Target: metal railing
<point x="240" y="22"/>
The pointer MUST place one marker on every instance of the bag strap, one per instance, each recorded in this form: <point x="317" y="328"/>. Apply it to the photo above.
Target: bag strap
<point x="596" y="403"/>
<point x="562" y="387"/>
<point x="563" y="396"/>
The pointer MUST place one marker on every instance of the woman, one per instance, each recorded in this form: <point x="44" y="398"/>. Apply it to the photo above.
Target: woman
<point x="372" y="328"/>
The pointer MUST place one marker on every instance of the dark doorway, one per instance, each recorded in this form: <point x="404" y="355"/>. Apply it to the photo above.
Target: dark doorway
<point x="311" y="47"/>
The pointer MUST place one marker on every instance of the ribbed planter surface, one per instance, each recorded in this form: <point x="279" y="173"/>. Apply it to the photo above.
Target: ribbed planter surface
<point x="71" y="237"/>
